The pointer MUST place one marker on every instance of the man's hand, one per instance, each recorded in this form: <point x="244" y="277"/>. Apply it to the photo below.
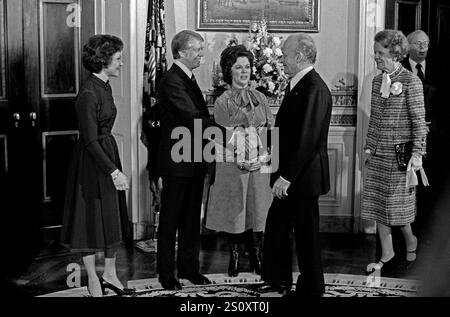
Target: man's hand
<point x="280" y="188"/>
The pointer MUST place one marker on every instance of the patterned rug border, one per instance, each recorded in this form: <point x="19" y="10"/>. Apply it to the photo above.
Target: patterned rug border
<point x="331" y="279"/>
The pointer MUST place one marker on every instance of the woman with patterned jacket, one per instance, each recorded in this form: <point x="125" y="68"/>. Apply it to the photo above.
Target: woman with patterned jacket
<point x="397" y="116"/>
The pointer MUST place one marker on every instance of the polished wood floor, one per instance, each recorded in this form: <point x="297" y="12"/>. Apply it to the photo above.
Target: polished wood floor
<point x="342" y="253"/>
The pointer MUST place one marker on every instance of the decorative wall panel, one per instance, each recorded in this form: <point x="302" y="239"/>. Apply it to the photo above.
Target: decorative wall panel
<point x="59" y="50"/>
<point x="57" y="149"/>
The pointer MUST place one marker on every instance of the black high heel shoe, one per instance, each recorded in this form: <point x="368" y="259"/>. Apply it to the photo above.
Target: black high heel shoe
<point x="115" y="289"/>
<point x="408" y="263"/>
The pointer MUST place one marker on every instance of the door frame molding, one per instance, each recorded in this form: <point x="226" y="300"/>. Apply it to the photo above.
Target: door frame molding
<point x="372" y="19"/>
<point x="134" y="160"/>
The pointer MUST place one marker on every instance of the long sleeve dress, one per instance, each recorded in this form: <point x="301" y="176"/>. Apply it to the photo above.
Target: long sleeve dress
<point x="239" y="199"/>
<point x="95" y="213"/>
<point x="397" y="119"/>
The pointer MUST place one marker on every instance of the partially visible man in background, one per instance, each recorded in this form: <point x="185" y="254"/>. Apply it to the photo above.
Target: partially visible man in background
<point x="416" y="62"/>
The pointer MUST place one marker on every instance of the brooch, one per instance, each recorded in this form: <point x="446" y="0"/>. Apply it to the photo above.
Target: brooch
<point x="396" y="88"/>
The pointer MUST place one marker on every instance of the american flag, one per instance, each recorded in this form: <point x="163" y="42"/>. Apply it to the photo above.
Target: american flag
<point x="155" y="65"/>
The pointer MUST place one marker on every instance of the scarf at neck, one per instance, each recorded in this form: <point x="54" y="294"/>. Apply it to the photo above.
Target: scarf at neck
<point x="386" y="83"/>
<point x="244" y="97"/>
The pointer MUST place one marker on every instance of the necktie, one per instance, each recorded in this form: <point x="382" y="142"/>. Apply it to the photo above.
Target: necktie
<point x="193" y="79"/>
<point x="420" y="72"/>
<point x="287" y="90"/>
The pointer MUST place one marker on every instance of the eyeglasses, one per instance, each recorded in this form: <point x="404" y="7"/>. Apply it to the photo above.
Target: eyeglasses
<point x="422" y="44"/>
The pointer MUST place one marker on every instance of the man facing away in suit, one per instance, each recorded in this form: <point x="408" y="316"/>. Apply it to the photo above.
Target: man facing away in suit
<point x="182" y="108"/>
<point x="303" y="175"/>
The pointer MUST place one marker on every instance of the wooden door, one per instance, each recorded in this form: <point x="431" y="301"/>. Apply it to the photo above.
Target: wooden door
<point x="41" y="75"/>
<point x="433" y="17"/>
<point x="439" y="33"/>
<point x="407" y="15"/>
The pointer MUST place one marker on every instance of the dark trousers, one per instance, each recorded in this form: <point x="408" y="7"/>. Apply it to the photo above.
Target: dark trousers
<point x="300" y="213"/>
<point x="181" y="200"/>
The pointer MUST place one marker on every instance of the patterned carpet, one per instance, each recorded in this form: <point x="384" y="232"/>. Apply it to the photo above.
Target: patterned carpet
<point x="247" y="284"/>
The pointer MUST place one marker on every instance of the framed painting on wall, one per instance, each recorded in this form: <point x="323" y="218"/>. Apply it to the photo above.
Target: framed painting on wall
<point x="281" y="15"/>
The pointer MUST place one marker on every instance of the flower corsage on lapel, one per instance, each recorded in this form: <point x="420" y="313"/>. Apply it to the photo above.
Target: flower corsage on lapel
<point x="396" y="88"/>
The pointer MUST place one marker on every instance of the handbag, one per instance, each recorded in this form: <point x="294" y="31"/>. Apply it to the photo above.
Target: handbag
<point x="403" y="152"/>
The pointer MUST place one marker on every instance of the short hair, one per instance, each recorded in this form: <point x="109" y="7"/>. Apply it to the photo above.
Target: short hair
<point x="414" y="34"/>
<point x="228" y="58"/>
<point x="304" y="44"/>
<point x="99" y="50"/>
<point x="182" y="41"/>
<point x="395" y="41"/>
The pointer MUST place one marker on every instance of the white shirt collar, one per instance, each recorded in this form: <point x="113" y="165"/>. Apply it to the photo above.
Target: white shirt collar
<point x="413" y="66"/>
<point x="187" y="71"/>
<point x="299" y="76"/>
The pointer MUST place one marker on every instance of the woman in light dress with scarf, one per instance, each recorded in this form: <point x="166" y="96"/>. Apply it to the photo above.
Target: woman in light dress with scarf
<point x="240" y="196"/>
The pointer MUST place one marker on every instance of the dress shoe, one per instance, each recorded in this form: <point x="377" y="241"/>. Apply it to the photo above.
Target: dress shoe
<point x="410" y="259"/>
<point x="121" y="292"/>
<point x="196" y="279"/>
<point x="281" y="289"/>
<point x="170" y="284"/>
<point x="308" y="294"/>
<point x="289" y="294"/>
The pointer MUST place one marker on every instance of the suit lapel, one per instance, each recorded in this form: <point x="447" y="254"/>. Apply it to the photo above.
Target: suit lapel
<point x="299" y="87"/>
<point x="290" y="99"/>
<point x="194" y="91"/>
<point x="428" y="70"/>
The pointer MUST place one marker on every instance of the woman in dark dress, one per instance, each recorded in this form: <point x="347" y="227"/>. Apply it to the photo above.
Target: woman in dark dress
<point x="95" y="215"/>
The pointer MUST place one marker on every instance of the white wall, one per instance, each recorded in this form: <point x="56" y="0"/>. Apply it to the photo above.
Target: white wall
<point x="337" y="41"/>
<point x="337" y="45"/>
<point x="372" y="19"/>
<point x="127" y="19"/>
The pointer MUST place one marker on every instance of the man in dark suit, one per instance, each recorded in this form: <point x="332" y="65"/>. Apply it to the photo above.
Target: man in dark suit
<point x="416" y="62"/>
<point x="182" y="169"/>
<point x="303" y="174"/>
